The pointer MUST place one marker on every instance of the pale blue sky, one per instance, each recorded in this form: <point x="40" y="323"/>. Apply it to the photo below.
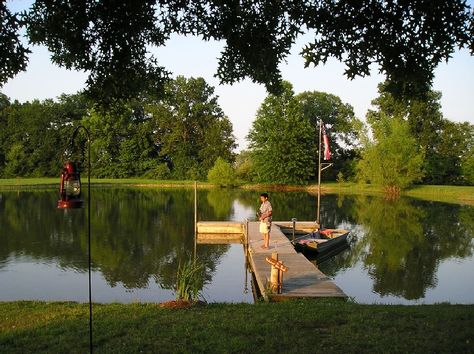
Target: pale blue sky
<point x="189" y="56"/>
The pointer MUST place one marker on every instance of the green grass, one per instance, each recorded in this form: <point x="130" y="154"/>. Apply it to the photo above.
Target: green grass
<point x="138" y="182"/>
<point x="449" y="194"/>
<point x="290" y="327"/>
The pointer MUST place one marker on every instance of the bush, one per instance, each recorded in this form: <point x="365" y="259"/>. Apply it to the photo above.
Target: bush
<point x="222" y="173"/>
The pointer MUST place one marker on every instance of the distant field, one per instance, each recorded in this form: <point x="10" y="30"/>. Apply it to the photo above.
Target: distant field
<point x="51" y="181"/>
<point x="449" y="194"/>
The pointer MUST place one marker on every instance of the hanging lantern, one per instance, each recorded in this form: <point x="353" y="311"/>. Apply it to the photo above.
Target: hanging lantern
<point x="70" y="189"/>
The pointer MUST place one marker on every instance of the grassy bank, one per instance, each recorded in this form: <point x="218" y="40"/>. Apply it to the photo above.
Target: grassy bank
<point x="135" y="182"/>
<point x="304" y="327"/>
<point x="449" y="194"/>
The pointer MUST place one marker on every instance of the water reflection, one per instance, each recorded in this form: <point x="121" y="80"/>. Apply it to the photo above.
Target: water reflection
<point x="404" y="241"/>
<point x="140" y="236"/>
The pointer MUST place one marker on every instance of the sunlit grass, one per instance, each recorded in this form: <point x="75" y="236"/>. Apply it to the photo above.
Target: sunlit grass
<point x="300" y="326"/>
<point x="450" y="194"/>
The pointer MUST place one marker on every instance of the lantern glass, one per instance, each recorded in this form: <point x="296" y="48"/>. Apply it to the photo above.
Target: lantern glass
<point x="72" y="188"/>
<point x="70" y="191"/>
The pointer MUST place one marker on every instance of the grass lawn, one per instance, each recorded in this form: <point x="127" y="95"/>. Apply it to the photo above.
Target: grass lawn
<point x="449" y="194"/>
<point x="53" y="182"/>
<point x="289" y="327"/>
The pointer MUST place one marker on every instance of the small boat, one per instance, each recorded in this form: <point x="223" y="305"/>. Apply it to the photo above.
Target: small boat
<point x="321" y="241"/>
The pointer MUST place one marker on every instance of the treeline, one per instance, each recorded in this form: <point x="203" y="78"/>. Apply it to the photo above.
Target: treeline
<point x="179" y="136"/>
<point x="402" y="142"/>
<point x="186" y="135"/>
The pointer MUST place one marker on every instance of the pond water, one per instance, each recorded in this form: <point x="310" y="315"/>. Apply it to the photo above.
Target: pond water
<point x="405" y="251"/>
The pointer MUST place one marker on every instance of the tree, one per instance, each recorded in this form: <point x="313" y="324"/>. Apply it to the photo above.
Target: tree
<point x="444" y="143"/>
<point x="190" y="129"/>
<point x="468" y="166"/>
<point x="455" y="151"/>
<point x="281" y="140"/>
<point x="341" y="125"/>
<point x="222" y="173"/>
<point x="111" y="39"/>
<point x="392" y="159"/>
<point x="244" y="169"/>
<point x="35" y="134"/>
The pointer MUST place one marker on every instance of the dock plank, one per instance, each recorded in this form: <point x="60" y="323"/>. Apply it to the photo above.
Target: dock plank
<point x="303" y="279"/>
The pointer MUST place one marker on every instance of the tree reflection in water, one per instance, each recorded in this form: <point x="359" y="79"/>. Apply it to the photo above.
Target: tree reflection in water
<point x="403" y="241"/>
<point x="141" y="235"/>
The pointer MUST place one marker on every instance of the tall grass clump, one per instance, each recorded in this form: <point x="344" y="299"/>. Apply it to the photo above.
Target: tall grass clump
<point x="189" y="280"/>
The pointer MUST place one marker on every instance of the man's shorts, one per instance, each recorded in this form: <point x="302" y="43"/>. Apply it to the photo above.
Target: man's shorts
<point x="265" y="227"/>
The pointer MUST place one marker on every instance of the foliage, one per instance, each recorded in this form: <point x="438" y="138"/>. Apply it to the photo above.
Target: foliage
<point x="34" y="135"/>
<point x="179" y="136"/>
<point x="111" y="41"/>
<point x="443" y="142"/>
<point x="285" y="135"/>
<point x="341" y="126"/>
<point x="281" y="141"/>
<point x="222" y="173"/>
<point x="13" y="52"/>
<point x="189" y="280"/>
<point x="243" y="166"/>
<point x="190" y="129"/>
<point x="393" y="159"/>
<point x="32" y="327"/>
<point x="468" y="166"/>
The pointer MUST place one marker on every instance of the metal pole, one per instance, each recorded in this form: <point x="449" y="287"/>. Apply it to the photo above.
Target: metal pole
<point x="89" y="234"/>
<point x="319" y="175"/>
<point x="293" y="220"/>
<point x="195" y="220"/>
<point x="88" y="223"/>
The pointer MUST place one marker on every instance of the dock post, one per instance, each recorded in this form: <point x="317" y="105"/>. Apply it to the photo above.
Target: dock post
<point x="293" y="220"/>
<point x="275" y="275"/>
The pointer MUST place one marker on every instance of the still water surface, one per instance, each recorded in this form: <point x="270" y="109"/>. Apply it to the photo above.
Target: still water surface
<point x="406" y="251"/>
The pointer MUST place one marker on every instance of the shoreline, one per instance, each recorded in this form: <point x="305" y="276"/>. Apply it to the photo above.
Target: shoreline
<point x="439" y="193"/>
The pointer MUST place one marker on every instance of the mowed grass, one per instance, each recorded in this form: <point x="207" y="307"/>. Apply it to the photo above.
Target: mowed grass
<point x="289" y="327"/>
<point x="449" y="194"/>
<point x="54" y="182"/>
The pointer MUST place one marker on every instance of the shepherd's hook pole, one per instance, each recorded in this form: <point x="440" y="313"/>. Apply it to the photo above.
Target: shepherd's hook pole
<point x="88" y="224"/>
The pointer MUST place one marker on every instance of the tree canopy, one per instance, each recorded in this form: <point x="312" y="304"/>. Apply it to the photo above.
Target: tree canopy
<point x="111" y="39"/>
<point x="392" y="158"/>
<point x="285" y="133"/>
<point x="179" y="136"/>
<point x="445" y="144"/>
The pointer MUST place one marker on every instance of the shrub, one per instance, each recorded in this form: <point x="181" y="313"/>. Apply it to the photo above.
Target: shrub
<point x="222" y="173"/>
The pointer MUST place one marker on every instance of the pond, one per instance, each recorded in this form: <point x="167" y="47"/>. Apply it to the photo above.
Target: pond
<point x="406" y="251"/>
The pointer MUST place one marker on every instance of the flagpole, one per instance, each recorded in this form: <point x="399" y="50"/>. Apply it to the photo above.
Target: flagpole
<point x="319" y="175"/>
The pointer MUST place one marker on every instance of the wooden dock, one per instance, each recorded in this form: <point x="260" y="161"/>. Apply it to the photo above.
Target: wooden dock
<point x="302" y="280"/>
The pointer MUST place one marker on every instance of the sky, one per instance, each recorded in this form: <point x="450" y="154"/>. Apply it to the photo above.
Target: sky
<point x="190" y="56"/>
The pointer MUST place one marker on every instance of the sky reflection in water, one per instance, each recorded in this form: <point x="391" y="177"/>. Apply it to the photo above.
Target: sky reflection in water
<point x="407" y="251"/>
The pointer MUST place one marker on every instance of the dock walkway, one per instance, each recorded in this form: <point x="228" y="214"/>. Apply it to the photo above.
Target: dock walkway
<point x="302" y="280"/>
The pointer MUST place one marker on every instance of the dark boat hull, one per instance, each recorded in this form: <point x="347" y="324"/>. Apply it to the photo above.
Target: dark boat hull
<point x="317" y="245"/>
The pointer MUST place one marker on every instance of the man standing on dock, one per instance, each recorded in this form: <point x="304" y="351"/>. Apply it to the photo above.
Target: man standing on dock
<point x="265" y="216"/>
